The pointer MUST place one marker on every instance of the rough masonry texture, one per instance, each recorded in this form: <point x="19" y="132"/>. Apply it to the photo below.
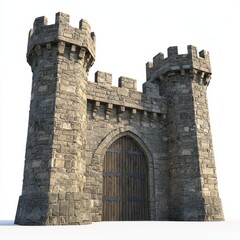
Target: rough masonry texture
<point x="80" y="133"/>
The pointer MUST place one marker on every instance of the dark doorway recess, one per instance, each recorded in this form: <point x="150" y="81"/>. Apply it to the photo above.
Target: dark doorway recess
<point x="125" y="182"/>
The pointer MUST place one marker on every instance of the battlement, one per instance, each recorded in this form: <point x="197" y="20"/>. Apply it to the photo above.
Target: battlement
<point x="126" y="94"/>
<point x="193" y="60"/>
<point x="105" y="80"/>
<point x="43" y="35"/>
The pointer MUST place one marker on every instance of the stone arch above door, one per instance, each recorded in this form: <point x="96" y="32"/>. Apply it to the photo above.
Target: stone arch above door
<point x="143" y="144"/>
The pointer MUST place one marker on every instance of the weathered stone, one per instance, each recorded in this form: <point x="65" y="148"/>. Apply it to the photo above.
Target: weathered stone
<point x="73" y="122"/>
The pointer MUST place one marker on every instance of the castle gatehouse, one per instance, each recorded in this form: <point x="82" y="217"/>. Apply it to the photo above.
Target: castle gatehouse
<point x="96" y="152"/>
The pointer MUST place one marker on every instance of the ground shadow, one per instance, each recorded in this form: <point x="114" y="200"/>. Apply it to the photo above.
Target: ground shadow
<point x="7" y="223"/>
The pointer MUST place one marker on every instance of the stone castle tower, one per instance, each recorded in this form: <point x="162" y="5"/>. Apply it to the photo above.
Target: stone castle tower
<point x="96" y="152"/>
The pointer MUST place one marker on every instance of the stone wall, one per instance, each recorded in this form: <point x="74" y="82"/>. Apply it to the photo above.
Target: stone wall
<point x="117" y="111"/>
<point x="72" y="122"/>
<point x="55" y="166"/>
<point x="183" y="80"/>
<point x="209" y="184"/>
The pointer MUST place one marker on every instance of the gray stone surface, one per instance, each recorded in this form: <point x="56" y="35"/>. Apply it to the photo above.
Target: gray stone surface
<point x="72" y="122"/>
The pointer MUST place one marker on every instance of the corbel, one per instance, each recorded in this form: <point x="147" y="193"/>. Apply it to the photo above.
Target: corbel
<point x="153" y="117"/>
<point x="133" y="114"/>
<point x="61" y="48"/>
<point x="182" y="71"/>
<point x="81" y="55"/>
<point x="72" y="52"/>
<point x="109" y="110"/>
<point x="144" y="116"/>
<point x="96" y="106"/>
<point x="38" y="50"/>
<point x="121" y="110"/>
<point x="207" y="79"/>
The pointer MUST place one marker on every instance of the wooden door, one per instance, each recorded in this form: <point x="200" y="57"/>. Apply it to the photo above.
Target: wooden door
<point x="125" y="182"/>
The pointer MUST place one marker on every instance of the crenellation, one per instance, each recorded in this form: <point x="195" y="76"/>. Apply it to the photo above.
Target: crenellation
<point x="117" y="96"/>
<point x="178" y="64"/>
<point x="129" y="83"/>
<point x="204" y="54"/>
<point x="172" y="52"/>
<point x="149" y="65"/>
<point x="156" y="60"/>
<point x="61" y="32"/>
<point x="93" y="36"/>
<point x="192" y="51"/>
<point x="62" y="18"/>
<point x="84" y="26"/>
<point x="103" y="79"/>
<point x="40" y="22"/>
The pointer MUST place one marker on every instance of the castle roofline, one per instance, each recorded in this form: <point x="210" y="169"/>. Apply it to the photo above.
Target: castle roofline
<point x="42" y="33"/>
<point x="178" y="62"/>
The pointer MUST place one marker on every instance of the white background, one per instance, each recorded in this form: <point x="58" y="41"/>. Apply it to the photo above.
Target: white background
<point x="129" y="33"/>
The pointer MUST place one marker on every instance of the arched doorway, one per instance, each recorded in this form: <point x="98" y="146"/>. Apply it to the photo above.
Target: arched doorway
<point x="125" y="182"/>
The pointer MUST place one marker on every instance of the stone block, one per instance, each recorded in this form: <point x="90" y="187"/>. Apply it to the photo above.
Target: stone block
<point x="123" y="91"/>
<point x="187" y="152"/>
<point x="63" y="208"/>
<point x="52" y="198"/>
<point x="55" y="210"/>
<point x="208" y="171"/>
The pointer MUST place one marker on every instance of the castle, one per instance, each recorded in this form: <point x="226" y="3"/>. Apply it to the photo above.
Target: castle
<point x="96" y="152"/>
